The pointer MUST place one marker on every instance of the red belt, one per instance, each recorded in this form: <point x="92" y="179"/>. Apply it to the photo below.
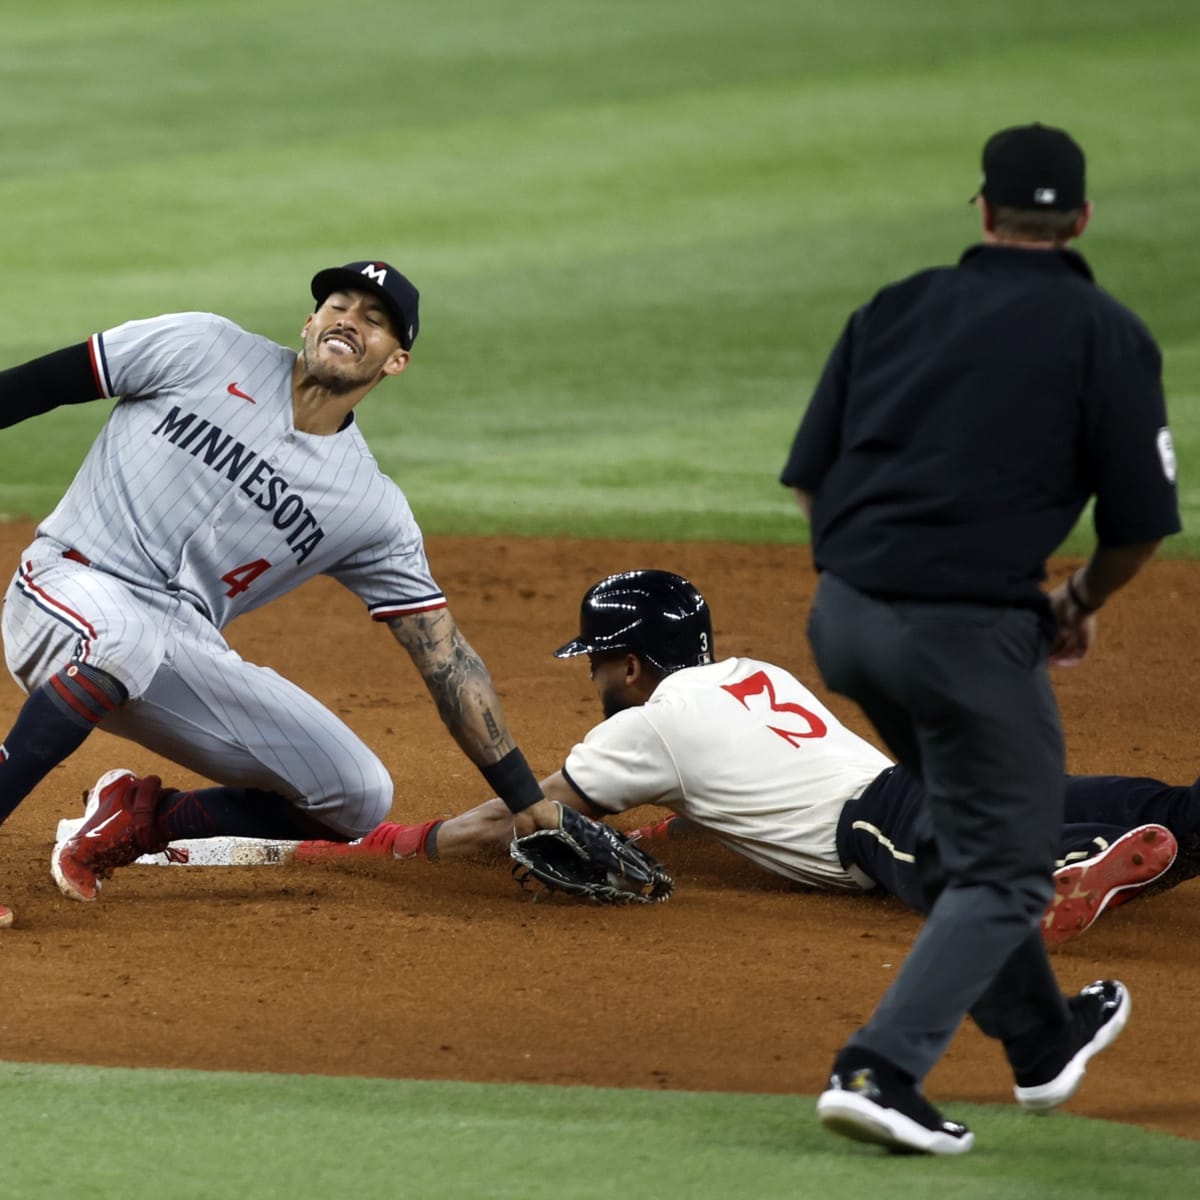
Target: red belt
<point x="75" y="556"/>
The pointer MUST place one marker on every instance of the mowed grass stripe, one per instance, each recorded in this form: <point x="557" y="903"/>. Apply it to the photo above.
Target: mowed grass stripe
<point x="223" y="1135"/>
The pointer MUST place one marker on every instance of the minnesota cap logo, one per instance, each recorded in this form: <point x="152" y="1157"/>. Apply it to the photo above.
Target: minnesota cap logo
<point x="381" y="279"/>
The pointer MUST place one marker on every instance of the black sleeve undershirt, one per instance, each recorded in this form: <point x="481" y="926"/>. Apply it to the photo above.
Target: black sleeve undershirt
<point x="64" y="377"/>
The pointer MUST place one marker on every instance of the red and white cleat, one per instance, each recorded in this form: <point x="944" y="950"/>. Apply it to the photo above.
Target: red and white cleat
<point x="1084" y="890"/>
<point x="103" y="842"/>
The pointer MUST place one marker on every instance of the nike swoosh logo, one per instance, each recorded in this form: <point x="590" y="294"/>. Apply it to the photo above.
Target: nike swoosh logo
<point x="234" y="390"/>
<point x="95" y="830"/>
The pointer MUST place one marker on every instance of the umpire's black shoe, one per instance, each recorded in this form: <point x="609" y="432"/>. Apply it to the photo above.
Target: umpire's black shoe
<point x="870" y="1100"/>
<point x="1098" y="1014"/>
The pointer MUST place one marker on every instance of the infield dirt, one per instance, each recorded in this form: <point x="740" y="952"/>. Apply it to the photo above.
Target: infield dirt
<point x="415" y="970"/>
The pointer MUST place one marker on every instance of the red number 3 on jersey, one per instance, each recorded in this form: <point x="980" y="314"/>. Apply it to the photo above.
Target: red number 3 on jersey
<point x="756" y="684"/>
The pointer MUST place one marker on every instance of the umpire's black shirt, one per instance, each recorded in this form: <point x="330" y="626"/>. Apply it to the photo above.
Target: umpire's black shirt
<point x="965" y="416"/>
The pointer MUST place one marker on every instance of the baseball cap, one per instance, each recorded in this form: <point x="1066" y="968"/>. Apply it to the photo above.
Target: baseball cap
<point x="384" y="281"/>
<point x="1035" y="167"/>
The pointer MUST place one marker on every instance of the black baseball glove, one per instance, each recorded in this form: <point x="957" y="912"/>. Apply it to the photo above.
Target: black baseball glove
<point x="587" y="858"/>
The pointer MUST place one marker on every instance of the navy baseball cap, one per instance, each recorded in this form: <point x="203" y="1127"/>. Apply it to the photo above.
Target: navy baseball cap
<point x="397" y="293"/>
<point x="1033" y="167"/>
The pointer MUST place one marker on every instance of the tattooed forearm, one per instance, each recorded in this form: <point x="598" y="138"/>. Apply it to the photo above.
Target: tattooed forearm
<point x="490" y="721"/>
<point x="458" y="681"/>
<point x="423" y="634"/>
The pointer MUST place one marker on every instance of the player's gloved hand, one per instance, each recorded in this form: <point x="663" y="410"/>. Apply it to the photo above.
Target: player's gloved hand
<point x="587" y="858"/>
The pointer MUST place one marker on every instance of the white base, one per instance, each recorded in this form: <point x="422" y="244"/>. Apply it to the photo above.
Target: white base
<point x="206" y="852"/>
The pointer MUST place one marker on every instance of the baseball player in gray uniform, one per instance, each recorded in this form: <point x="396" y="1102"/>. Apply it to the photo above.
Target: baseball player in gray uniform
<point x="230" y="471"/>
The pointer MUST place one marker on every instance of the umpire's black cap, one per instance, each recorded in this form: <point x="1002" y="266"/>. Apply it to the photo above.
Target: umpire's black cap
<point x="659" y="616"/>
<point x="1033" y="167"/>
<point x="397" y="292"/>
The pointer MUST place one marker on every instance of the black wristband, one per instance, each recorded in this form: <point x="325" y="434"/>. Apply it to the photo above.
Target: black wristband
<point x="513" y="781"/>
<point x="1076" y="599"/>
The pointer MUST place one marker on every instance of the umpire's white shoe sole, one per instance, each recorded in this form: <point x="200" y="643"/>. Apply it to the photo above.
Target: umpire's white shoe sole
<point x="1045" y="1096"/>
<point x="854" y="1116"/>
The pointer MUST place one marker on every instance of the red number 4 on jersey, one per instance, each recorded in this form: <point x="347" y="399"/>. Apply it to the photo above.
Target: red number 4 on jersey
<point x="240" y="578"/>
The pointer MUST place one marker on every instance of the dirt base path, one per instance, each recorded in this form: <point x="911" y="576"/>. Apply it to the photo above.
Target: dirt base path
<point x="740" y="983"/>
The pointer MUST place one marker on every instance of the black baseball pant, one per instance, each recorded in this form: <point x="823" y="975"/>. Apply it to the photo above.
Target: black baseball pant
<point x="878" y="831"/>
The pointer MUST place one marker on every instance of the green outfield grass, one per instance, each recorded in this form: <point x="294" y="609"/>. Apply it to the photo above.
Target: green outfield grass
<point x="638" y="226"/>
<point x="85" y="1131"/>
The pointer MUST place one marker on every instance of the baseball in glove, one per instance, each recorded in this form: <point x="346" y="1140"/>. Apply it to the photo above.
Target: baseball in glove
<point x="586" y="858"/>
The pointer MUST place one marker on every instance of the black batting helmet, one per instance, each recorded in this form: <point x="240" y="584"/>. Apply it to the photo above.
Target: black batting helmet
<point x="659" y="616"/>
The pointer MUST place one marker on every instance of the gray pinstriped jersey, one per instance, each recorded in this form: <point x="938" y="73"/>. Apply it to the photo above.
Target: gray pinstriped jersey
<point x="200" y="485"/>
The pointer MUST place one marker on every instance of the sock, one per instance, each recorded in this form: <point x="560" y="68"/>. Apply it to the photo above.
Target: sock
<point x="52" y="724"/>
<point x="235" y="812"/>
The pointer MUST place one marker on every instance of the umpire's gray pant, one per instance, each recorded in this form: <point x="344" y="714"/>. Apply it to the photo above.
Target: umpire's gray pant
<point x="961" y="695"/>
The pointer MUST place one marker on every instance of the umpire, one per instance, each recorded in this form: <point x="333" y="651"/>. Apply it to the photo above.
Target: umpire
<point x="961" y="423"/>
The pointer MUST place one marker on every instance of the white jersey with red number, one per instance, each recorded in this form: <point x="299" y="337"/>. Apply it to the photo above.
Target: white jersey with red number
<point x="742" y="749"/>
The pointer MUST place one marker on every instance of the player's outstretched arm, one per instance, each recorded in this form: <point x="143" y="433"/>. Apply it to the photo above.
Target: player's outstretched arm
<point x="459" y="683"/>
<point x="486" y="830"/>
<point x="467" y="702"/>
<point x="64" y="377"/>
